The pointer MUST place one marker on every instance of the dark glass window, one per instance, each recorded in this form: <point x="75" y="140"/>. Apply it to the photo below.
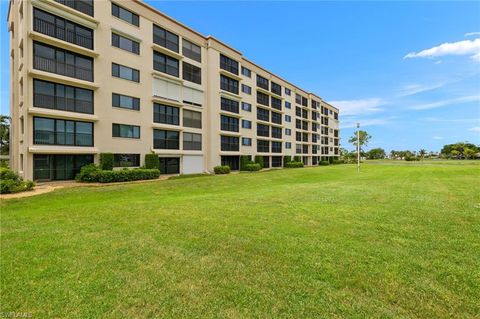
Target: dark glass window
<point x="84" y="6"/>
<point x="165" y="38"/>
<point x="305" y="137"/>
<point x="276" y="88"/>
<point x="169" y="165"/>
<point x="58" y="167"/>
<point x="276" y="147"/>
<point x="288" y="118"/>
<point x="56" y="96"/>
<point x="276" y="132"/>
<point x="263" y="115"/>
<point x="166" y="114"/>
<point x="228" y="123"/>
<point x="246" y="141"/>
<point x="288" y="92"/>
<point x="192" y="141"/>
<point x="288" y="131"/>
<point x="246" y="89"/>
<point x="288" y="145"/>
<point x="125" y="131"/>
<point x="276" y="103"/>
<point x="247" y="72"/>
<point x="276" y="160"/>
<point x="166" y="140"/>
<point x="228" y="64"/>
<point x="298" y="99"/>
<point x="125" y="15"/>
<point x="192" y="119"/>
<point x="126" y="160"/>
<point x="298" y="136"/>
<point x="165" y="64"/>
<point x="304" y="114"/>
<point x="263" y="98"/>
<point x="62" y="132"/>
<point x="305" y="149"/>
<point x="191" y="50"/>
<point x="126" y="44"/>
<point x="228" y="84"/>
<point x="305" y="125"/>
<point x="231" y="161"/>
<point x="192" y="73"/>
<point x="54" y="60"/>
<point x="125" y="101"/>
<point x="229" y="143"/>
<point x="54" y="26"/>
<point x="288" y="105"/>
<point x="262" y="82"/>
<point x="125" y="72"/>
<point x="263" y="130"/>
<point x="246" y="106"/>
<point x="246" y="124"/>
<point x="298" y="124"/>
<point x="229" y="105"/>
<point x="276" y="118"/>
<point x="304" y="101"/>
<point x="263" y="146"/>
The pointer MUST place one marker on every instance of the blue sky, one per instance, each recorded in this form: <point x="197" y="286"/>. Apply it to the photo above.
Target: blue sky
<point x="409" y="72"/>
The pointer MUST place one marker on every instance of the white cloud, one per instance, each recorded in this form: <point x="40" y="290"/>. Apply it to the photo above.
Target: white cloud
<point x="434" y="105"/>
<point x="437" y="62"/>
<point x="465" y="47"/>
<point x="412" y="89"/>
<point x="437" y="138"/>
<point x="357" y="107"/>
<point x="471" y="34"/>
<point x="475" y="129"/>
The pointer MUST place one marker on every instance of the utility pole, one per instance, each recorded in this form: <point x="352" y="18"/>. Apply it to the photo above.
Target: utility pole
<point x="358" y="147"/>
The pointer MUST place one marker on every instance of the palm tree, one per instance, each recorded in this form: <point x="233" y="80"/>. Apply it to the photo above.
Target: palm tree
<point x="422" y="153"/>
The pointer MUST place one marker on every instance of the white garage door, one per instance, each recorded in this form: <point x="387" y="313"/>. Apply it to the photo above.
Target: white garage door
<point x="192" y="164"/>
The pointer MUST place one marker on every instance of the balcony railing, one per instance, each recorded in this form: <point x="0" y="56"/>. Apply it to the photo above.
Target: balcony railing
<point x="62" y="103"/>
<point x="61" y="33"/>
<point x="62" y="68"/>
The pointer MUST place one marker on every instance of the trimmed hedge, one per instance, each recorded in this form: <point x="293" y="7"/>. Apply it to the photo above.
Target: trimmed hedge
<point x="225" y="169"/>
<point x="286" y="159"/>
<point x="152" y="161"/>
<point x="11" y="182"/>
<point x="338" y="161"/>
<point x="91" y="173"/>
<point x="106" y="161"/>
<point x="244" y="161"/>
<point x="293" y="165"/>
<point x="412" y="158"/>
<point x="324" y="163"/>
<point x="259" y="160"/>
<point x="253" y="167"/>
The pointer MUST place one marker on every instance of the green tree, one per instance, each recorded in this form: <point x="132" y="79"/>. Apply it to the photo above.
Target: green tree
<point x="376" y="153"/>
<point x="4" y="134"/>
<point x="469" y="153"/>
<point x="422" y="153"/>
<point x="364" y="139"/>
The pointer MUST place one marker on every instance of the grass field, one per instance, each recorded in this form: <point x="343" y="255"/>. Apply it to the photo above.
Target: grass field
<point x="392" y="241"/>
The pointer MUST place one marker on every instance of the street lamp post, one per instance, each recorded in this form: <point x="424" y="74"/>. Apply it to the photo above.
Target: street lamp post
<point x="358" y="147"/>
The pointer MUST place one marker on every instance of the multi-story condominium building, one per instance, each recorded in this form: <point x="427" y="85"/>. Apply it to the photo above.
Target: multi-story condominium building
<point x="91" y="77"/>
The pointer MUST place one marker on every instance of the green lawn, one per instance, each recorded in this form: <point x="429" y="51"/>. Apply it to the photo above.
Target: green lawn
<point x="392" y="241"/>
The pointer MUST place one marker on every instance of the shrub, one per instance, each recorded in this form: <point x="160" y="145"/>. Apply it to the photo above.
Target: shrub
<point x="11" y="182"/>
<point x="91" y="173"/>
<point x="293" y="164"/>
<point x="106" y="161"/>
<point x="253" y="167"/>
<point x="338" y="161"/>
<point x="4" y="163"/>
<point x="297" y="158"/>
<point x="244" y="161"/>
<point x="152" y="161"/>
<point x="409" y="158"/>
<point x="223" y="169"/>
<point x="259" y="160"/>
<point x="323" y="163"/>
<point x="286" y="159"/>
<point x="330" y="160"/>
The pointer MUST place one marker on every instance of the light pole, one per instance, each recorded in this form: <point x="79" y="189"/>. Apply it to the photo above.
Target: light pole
<point x="358" y="147"/>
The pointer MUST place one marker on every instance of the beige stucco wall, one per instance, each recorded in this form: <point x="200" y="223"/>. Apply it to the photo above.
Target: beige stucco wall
<point x="104" y="84"/>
